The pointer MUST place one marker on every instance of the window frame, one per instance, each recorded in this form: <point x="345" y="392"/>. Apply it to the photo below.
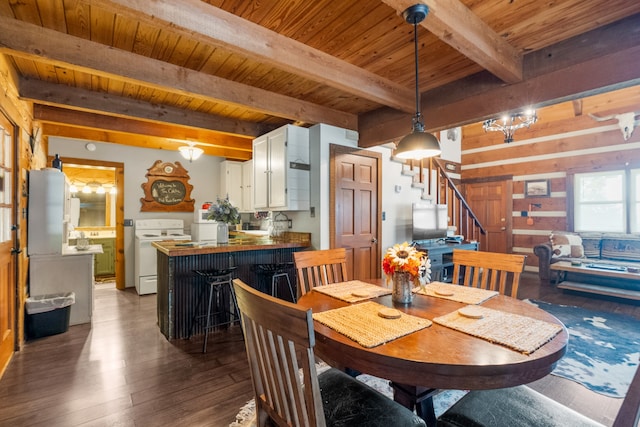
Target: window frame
<point x="628" y="198"/>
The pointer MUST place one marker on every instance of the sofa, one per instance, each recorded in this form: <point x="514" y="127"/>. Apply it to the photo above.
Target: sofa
<point x="608" y="248"/>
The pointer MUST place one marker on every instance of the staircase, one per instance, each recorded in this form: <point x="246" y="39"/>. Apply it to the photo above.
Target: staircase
<point x="438" y="187"/>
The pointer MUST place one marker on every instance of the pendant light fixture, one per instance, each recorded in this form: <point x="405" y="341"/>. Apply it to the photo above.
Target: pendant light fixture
<point x="418" y="144"/>
<point x="190" y="152"/>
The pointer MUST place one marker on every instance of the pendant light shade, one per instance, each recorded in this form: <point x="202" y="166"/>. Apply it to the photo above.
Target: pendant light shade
<point x="418" y="144"/>
<point x="190" y="152"/>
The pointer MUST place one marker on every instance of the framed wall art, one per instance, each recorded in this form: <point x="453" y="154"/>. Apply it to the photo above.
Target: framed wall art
<point x="167" y="189"/>
<point x="537" y="188"/>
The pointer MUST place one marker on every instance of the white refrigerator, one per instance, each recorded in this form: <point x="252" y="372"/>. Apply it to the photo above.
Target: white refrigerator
<point x="55" y="267"/>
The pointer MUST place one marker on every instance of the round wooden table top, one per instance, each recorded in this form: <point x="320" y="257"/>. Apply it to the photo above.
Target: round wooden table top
<point x="439" y="357"/>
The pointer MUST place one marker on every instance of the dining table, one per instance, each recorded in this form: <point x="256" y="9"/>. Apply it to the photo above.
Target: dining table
<point x="440" y="355"/>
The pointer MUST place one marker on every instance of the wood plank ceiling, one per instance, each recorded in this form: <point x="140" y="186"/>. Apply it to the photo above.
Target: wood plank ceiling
<point x="220" y="72"/>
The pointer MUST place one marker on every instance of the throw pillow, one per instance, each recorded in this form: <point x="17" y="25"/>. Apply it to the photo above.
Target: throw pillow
<point x="566" y="245"/>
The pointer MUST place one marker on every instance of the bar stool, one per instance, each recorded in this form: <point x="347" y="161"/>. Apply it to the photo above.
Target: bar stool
<point x="217" y="281"/>
<point x="275" y="272"/>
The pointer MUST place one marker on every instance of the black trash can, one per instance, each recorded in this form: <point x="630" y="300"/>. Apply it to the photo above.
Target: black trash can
<point x="48" y="314"/>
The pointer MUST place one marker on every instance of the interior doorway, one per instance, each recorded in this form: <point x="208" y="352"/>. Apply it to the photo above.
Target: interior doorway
<point x="99" y="191"/>
<point x="490" y="201"/>
<point x="355" y="198"/>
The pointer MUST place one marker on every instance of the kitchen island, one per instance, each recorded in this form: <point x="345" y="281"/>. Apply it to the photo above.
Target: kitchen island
<point x="179" y="288"/>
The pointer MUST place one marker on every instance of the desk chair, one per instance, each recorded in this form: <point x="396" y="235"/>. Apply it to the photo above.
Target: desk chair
<point x="523" y="406"/>
<point x="319" y="268"/>
<point x="217" y="282"/>
<point x="279" y="340"/>
<point x="488" y="270"/>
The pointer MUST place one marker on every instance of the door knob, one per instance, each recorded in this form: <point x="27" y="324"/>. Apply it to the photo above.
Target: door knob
<point x="16" y="251"/>
<point x="374" y="240"/>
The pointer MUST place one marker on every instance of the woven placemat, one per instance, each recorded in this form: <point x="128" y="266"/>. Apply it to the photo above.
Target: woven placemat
<point x="353" y="290"/>
<point x="361" y="323"/>
<point x="463" y="294"/>
<point x="520" y="333"/>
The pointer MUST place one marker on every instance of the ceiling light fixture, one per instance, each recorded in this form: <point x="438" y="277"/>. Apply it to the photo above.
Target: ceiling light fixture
<point x="509" y="124"/>
<point x="190" y="152"/>
<point x="418" y="144"/>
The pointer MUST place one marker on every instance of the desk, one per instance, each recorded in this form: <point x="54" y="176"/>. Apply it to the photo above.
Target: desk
<point x="438" y="357"/>
<point x="441" y="257"/>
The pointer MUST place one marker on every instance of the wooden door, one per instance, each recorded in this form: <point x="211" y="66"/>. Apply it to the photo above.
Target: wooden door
<point x="8" y="285"/>
<point x="355" y="182"/>
<point x="489" y="201"/>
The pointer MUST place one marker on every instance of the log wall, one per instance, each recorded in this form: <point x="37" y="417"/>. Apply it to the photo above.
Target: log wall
<point x="564" y="140"/>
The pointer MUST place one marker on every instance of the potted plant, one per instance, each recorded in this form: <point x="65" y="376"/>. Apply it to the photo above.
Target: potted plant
<point x="224" y="213"/>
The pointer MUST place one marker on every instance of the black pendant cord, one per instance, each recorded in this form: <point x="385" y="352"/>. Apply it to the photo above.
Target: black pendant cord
<point x="415" y="55"/>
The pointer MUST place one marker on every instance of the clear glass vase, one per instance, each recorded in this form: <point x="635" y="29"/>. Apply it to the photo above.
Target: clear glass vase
<point x="223" y="233"/>
<point x="402" y="285"/>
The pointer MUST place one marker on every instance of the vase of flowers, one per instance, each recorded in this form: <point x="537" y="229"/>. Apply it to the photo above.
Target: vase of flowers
<point x="224" y="213"/>
<point x="406" y="267"/>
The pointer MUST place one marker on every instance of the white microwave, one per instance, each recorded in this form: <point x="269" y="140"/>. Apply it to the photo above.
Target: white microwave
<point x="200" y="216"/>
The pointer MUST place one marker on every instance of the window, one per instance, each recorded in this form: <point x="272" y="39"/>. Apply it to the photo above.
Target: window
<point x="607" y="201"/>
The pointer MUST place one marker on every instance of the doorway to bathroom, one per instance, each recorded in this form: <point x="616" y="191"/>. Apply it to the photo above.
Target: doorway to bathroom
<point x="97" y="189"/>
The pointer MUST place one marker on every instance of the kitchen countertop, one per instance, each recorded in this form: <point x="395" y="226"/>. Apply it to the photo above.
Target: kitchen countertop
<point x="73" y="250"/>
<point x="237" y="242"/>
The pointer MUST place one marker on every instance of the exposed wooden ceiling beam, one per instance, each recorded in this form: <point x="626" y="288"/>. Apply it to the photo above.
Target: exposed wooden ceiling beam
<point x="604" y="59"/>
<point x="202" y="22"/>
<point x="453" y="23"/>
<point x="52" y="47"/>
<point x="47" y="114"/>
<point x="64" y="131"/>
<point x="42" y="92"/>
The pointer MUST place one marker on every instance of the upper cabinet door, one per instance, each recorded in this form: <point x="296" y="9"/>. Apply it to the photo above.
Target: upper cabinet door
<point x="281" y="178"/>
<point x="278" y="169"/>
<point x="260" y="173"/>
<point x="247" y="186"/>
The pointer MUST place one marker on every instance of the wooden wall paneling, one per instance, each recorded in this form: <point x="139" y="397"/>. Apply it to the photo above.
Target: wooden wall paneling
<point x="617" y="156"/>
<point x="548" y="204"/>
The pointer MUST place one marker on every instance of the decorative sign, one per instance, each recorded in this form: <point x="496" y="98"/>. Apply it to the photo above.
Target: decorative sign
<point x="167" y="189"/>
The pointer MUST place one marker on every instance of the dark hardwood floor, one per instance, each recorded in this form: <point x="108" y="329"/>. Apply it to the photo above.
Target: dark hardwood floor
<point x="123" y="372"/>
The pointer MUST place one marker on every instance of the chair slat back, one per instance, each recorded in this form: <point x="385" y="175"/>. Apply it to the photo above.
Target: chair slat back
<point x="319" y="268"/>
<point x="488" y="270"/>
<point x="279" y="341"/>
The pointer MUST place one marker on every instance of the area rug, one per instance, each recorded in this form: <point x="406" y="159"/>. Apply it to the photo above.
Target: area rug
<point x="603" y="350"/>
<point x="246" y="417"/>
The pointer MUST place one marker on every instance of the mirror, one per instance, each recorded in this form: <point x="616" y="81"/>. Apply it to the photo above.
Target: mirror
<point x="92" y="201"/>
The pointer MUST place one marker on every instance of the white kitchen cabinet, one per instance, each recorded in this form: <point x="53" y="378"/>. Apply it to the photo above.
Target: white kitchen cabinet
<point x="281" y="167"/>
<point x="247" y="186"/>
<point x="231" y="182"/>
<point x="70" y="271"/>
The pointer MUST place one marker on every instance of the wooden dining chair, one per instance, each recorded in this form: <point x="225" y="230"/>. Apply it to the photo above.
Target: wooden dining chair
<point x="279" y="339"/>
<point x="488" y="270"/>
<point x="319" y="268"/>
<point x="523" y="406"/>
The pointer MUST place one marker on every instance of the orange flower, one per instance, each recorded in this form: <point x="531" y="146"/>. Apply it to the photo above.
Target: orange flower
<point x="405" y="258"/>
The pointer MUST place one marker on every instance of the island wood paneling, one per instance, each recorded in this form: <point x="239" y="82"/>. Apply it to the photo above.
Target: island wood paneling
<point x="565" y="140"/>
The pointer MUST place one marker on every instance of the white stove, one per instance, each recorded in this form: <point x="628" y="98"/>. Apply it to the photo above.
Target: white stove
<point x="147" y="231"/>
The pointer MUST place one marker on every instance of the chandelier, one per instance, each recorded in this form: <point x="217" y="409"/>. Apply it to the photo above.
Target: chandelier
<point x="190" y="152"/>
<point x="509" y="124"/>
